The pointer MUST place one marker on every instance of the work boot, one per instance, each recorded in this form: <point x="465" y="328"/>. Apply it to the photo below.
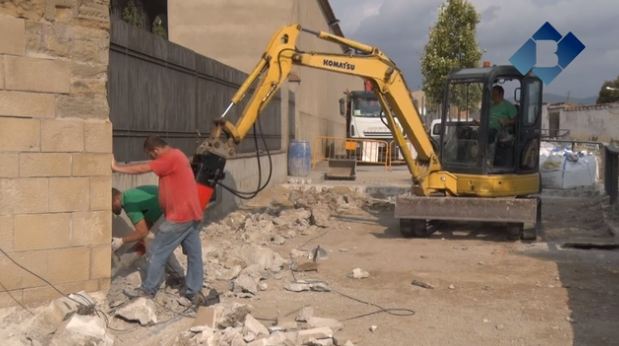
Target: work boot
<point x="138" y="292"/>
<point x="196" y="299"/>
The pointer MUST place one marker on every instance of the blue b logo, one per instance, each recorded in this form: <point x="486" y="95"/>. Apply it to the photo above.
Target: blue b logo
<point x="527" y="58"/>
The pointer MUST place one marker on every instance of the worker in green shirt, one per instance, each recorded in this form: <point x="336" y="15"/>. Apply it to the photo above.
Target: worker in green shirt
<point x="141" y="204"/>
<point x="502" y="112"/>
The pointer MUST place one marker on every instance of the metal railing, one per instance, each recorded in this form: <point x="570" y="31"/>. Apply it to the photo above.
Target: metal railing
<point x="364" y="151"/>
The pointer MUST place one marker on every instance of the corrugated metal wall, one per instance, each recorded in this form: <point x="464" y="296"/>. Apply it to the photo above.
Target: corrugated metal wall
<point x="156" y="87"/>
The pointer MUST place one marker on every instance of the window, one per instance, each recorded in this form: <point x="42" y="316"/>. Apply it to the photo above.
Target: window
<point x="533" y="93"/>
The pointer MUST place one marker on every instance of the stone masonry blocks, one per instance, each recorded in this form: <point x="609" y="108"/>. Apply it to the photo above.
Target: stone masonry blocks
<point x="23" y="196"/>
<point x="6" y="232"/>
<point x="14" y="277"/>
<point x="100" y="193"/>
<point x="12" y="35"/>
<point x="42" y="231"/>
<point x="62" y="135"/>
<point x="20" y="134"/>
<point x="59" y="270"/>
<point x="69" y="194"/>
<point x="27" y="104"/>
<point x="92" y="164"/>
<point x="44" y="164"/>
<point x="98" y="136"/>
<point x="91" y="228"/>
<point x="100" y="263"/>
<point x="35" y="74"/>
<point x="10" y="165"/>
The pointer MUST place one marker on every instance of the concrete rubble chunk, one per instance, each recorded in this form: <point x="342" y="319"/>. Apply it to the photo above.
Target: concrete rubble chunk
<point x="275" y="339"/>
<point x="317" y="322"/>
<point x="82" y="330"/>
<point x="245" y="283"/>
<point x="231" y="314"/>
<point x="232" y="336"/>
<point x="359" y="273"/>
<point x="253" y="329"/>
<point x="349" y="343"/>
<point x="301" y="286"/>
<point x="142" y="310"/>
<point x="373" y="328"/>
<point x="320" y="216"/>
<point x="294" y="253"/>
<point x="320" y="342"/>
<point x="305" y="314"/>
<point x="314" y="334"/>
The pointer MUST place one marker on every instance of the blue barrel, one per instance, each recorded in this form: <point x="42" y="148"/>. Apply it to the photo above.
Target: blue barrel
<point x="299" y="158"/>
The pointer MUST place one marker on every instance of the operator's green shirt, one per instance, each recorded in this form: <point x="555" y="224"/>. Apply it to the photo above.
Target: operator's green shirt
<point x="142" y="203"/>
<point x="503" y="110"/>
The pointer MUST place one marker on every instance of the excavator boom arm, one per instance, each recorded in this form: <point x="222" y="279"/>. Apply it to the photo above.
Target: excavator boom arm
<point x="395" y="97"/>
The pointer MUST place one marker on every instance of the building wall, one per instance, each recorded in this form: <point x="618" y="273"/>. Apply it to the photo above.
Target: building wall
<point x="591" y="123"/>
<point x="236" y="32"/>
<point x="55" y="147"/>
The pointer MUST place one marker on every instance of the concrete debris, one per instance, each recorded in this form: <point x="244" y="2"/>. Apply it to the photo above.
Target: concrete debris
<point x="349" y="343"/>
<point x="232" y="336"/>
<point x="206" y="317"/>
<point x="373" y="328"/>
<point x="245" y="283"/>
<point x="82" y="330"/>
<point x="294" y="253"/>
<point x="293" y="218"/>
<point x="452" y="287"/>
<point x="422" y="284"/>
<point x="320" y="342"/>
<point x="231" y="314"/>
<point x="142" y="310"/>
<point x="359" y="273"/>
<point x="302" y="285"/>
<point x="253" y="329"/>
<point x="318" y="322"/>
<point x="306" y="313"/>
<point x="320" y="216"/>
<point x="278" y="240"/>
<point x="307" y="335"/>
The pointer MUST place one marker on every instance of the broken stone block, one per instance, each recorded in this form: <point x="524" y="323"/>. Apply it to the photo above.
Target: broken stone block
<point x="231" y="314"/>
<point x="141" y="310"/>
<point x="319" y="342"/>
<point x="373" y="328"/>
<point x="359" y="273"/>
<point x="245" y="283"/>
<point x="305" y="314"/>
<point x="253" y="329"/>
<point x="232" y="336"/>
<point x="206" y="317"/>
<point x="317" y="322"/>
<point x="82" y="330"/>
<point x="278" y="240"/>
<point x="301" y="285"/>
<point x="314" y="334"/>
<point x="320" y="216"/>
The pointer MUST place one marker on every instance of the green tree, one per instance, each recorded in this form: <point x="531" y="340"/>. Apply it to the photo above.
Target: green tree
<point x="451" y="45"/>
<point x="134" y="15"/>
<point x="609" y="92"/>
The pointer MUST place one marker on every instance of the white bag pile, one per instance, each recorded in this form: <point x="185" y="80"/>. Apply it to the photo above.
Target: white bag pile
<point x="562" y="168"/>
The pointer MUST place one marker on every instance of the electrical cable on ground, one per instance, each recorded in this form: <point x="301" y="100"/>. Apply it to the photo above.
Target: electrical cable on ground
<point x="42" y="279"/>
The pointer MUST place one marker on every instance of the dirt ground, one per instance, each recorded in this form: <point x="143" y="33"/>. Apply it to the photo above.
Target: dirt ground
<point x="488" y="288"/>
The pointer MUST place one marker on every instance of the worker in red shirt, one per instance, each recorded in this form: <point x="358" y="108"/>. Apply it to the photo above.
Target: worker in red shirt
<point x="178" y="198"/>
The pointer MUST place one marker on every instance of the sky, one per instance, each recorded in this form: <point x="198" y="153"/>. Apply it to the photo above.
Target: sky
<point x="400" y="28"/>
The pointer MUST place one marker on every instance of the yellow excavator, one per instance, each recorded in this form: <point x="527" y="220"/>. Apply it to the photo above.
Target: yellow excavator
<point x="481" y="169"/>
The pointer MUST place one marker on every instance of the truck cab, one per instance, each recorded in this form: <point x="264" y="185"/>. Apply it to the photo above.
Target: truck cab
<point x="363" y="116"/>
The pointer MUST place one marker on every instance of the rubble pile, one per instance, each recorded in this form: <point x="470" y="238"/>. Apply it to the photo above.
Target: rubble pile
<point x="235" y="325"/>
<point x="237" y="252"/>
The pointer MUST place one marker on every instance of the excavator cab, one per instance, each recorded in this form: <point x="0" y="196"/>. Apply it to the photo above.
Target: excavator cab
<point x="491" y="121"/>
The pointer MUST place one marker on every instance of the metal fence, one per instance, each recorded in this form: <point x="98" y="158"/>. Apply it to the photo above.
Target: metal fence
<point x="611" y="173"/>
<point x="365" y="151"/>
<point x="156" y="87"/>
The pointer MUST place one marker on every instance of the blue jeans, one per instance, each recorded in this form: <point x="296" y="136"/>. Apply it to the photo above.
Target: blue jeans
<point x="170" y="236"/>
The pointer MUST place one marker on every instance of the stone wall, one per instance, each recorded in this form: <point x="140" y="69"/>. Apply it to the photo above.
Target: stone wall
<point x="591" y="123"/>
<point x="55" y="147"/>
